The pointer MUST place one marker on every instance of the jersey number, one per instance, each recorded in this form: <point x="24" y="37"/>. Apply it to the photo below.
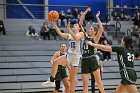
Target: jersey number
<point x="85" y="46"/>
<point x="73" y="45"/>
<point x="130" y="57"/>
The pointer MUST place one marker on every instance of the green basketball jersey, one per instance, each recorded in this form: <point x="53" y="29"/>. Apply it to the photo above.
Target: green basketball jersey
<point x="88" y="50"/>
<point x="125" y="56"/>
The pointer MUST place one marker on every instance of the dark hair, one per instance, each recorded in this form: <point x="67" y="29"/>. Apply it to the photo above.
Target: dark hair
<point x="62" y="44"/>
<point x="128" y="41"/>
<point x="31" y="30"/>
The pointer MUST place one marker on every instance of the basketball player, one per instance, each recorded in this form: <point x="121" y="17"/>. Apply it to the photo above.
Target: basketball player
<point x="61" y="72"/>
<point x="126" y="56"/>
<point x="90" y="62"/>
<point x="72" y="58"/>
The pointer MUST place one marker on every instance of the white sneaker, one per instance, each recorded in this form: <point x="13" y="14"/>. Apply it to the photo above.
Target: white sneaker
<point x="48" y="84"/>
<point x="63" y="89"/>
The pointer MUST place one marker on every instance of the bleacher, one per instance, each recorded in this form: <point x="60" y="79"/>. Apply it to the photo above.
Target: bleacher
<point x="24" y="63"/>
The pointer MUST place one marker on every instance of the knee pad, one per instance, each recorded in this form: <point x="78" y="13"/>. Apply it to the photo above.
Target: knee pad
<point x="57" y="85"/>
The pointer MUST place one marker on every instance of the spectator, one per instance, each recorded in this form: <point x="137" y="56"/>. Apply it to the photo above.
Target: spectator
<point x="137" y="19"/>
<point x="75" y="13"/>
<point x="121" y="15"/>
<point x="135" y="31"/>
<point x="89" y="16"/>
<point x="70" y="17"/>
<point x="115" y="15"/>
<point x="45" y="31"/>
<point x="135" y="34"/>
<point x="31" y="32"/>
<point x="106" y="54"/>
<point x="53" y="32"/>
<point x="62" y="21"/>
<point x="2" y="28"/>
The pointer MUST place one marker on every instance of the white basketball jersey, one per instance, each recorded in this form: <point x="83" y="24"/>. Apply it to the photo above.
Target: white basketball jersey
<point x="74" y="46"/>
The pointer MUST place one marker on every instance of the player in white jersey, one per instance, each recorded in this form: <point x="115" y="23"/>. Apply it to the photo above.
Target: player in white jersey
<point x="74" y="53"/>
<point x="72" y="58"/>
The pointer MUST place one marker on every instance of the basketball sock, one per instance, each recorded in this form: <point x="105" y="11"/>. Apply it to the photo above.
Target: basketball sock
<point x="52" y="79"/>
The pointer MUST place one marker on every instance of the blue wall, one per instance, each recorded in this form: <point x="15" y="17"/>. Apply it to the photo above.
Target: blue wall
<point x="19" y="12"/>
<point x="129" y="3"/>
<point x="96" y="5"/>
<point x="38" y="12"/>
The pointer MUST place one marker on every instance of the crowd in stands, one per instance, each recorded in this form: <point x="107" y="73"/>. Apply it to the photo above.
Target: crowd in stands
<point x="70" y="16"/>
<point x="121" y="16"/>
<point x="136" y="29"/>
<point x="136" y="23"/>
<point x="73" y="17"/>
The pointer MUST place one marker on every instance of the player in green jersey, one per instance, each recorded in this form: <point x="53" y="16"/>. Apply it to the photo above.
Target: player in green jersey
<point x="90" y="61"/>
<point x="61" y="72"/>
<point x="126" y="55"/>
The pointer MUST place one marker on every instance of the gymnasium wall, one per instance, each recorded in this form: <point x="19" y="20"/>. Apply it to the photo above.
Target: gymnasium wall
<point x="128" y="3"/>
<point x="19" y="12"/>
<point x="96" y="5"/>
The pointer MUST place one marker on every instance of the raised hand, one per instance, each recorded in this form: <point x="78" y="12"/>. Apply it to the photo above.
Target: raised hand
<point x="98" y="14"/>
<point x="53" y="23"/>
<point x="68" y="25"/>
<point x="87" y="10"/>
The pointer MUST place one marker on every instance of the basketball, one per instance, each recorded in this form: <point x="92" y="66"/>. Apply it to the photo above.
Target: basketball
<point x="53" y="15"/>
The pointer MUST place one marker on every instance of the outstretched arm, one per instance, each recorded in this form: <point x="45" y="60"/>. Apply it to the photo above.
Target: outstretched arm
<point x="100" y="30"/>
<point x="98" y="46"/>
<point x="63" y="35"/>
<point x="83" y="17"/>
<point x="138" y="58"/>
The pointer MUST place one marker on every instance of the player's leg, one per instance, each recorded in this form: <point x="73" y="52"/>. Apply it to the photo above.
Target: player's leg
<point x="98" y="80"/>
<point x="131" y="88"/>
<point x="66" y="84"/>
<point x="59" y="61"/>
<point x="85" y="78"/>
<point x="73" y="80"/>
<point x="75" y="60"/>
<point x="57" y="86"/>
<point x="92" y="83"/>
<point x="120" y="89"/>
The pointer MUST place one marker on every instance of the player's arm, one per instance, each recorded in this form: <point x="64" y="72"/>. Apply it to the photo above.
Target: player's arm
<point x="100" y="30"/>
<point x="137" y="55"/>
<point x="83" y="17"/>
<point x="138" y="58"/>
<point x="56" y="54"/>
<point x="76" y="37"/>
<point x="63" y="35"/>
<point x="98" y="46"/>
